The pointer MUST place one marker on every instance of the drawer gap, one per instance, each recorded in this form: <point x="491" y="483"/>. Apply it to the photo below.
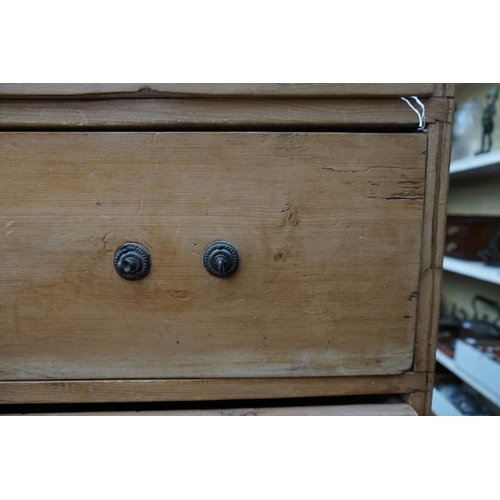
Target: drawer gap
<point x="228" y="407"/>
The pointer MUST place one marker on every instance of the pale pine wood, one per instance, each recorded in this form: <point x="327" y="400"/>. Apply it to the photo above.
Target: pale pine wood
<point x="328" y="227"/>
<point x="222" y="112"/>
<point x="227" y="112"/>
<point x="358" y="410"/>
<point x="144" y="391"/>
<point x="58" y="90"/>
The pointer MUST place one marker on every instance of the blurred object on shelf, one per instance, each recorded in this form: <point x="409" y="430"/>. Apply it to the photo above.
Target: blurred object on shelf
<point x="466" y="130"/>
<point x="488" y="120"/>
<point x="480" y="360"/>
<point x="467" y="236"/>
<point x="463" y="398"/>
<point x="451" y="324"/>
<point x="449" y="329"/>
<point x="490" y="348"/>
<point x="445" y="346"/>
<point x="484" y="327"/>
<point x="491" y="254"/>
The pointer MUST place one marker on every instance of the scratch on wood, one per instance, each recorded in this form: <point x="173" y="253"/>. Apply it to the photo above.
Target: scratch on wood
<point x="6" y="337"/>
<point x="52" y="235"/>
<point x="63" y="319"/>
<point x="104" y="240"/>
<point x="257" y="232"/>
<point x="342" y="171"/>
<point x="415" y="197"/>
<point x="7" y="268"/>
<point x="262" y="310"/>
<point x="249" y="175"/>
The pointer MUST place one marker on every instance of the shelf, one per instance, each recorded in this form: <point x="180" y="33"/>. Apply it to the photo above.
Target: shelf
<point x="476" y="270"/>
<point x="450" y="364"/>
<point x="485" y="164"/>
<point x="442" y="407"/>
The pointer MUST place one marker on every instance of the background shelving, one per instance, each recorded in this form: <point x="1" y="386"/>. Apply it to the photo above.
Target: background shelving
<point x="442" y="407"/>
<point x="466" y="376"/>
<point x="476" y="270"/>
<point x="474" y="191"/>
<point x="481" y="165"/>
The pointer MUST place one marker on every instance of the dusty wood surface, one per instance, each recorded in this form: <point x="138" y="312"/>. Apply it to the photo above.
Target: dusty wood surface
<point x="213" y="89"/>
<point x="361" y="410"/>
<point x="328" y="227"/>
<point x="142" y="391"/>
<point x="204" y="113"/>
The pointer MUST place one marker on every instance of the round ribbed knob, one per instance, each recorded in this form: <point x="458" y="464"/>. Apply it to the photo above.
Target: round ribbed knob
<point x="132" y="261"/>
<point x="221" y="259"/>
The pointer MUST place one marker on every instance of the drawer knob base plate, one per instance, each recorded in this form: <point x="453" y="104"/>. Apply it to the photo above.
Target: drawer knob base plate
<point x="221" y="259"/>
<point x="132" y="261"/>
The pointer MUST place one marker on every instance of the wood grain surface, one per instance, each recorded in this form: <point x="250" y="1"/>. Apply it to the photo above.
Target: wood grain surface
<point x="328" y="227"/>
<point x="203" y="113"/>
<point x="94" y="90"/>
<point x="147" y="391"/>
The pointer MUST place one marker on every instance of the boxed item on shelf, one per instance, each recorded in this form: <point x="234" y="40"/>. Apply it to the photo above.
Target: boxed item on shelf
<point x="479" y="364"/>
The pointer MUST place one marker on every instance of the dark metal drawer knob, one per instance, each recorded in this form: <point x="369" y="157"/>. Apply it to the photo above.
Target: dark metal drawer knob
<point x="221" y="259"/>
<point x="132" y="261"/>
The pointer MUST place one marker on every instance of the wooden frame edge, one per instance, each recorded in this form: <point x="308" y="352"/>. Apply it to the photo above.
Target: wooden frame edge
<point x="439" y="147"/>
<point x="204" y="113"/>
<point x="115" y="391"/>
<point x="195" y="90"/>
<point x="444" y="89"/>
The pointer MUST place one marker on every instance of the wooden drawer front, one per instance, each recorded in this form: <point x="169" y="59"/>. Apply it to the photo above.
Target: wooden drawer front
<point x="328" y="227"/>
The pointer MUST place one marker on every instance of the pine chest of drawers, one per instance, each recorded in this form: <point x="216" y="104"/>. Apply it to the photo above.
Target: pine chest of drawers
<point x="326" y="206"/>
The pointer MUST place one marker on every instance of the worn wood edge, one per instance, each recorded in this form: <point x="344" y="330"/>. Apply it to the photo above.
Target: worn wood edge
<point x="160" y="90"/>
<point x="439" y="140"/>
<point x="172" y="114"/>
<point x="417" y="401"/>
<point x="444" y="89"/>
<point x="354" y="410"/>
<point x="440" y="232"/>
<point x="426" y="282"/>
<point x="439" y="149"/>
<point x="113" y="391"/>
